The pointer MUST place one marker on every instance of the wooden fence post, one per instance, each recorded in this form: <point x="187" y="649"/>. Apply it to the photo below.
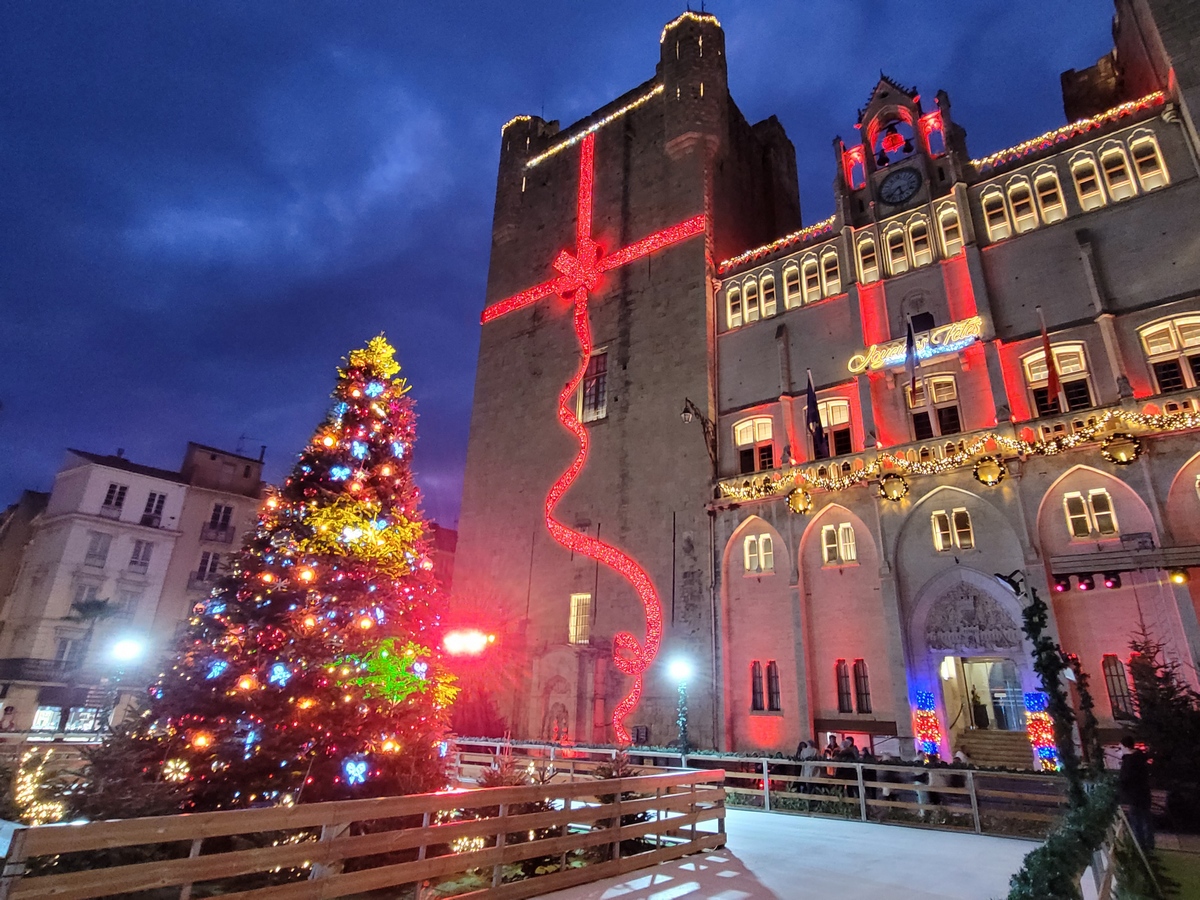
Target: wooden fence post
<point x="862" y="793"/>
<point x="616" y="844"/>
<point x="14" y="863"/>
<point x="501" y="837"/>
<point x="974" y="802"/>
<point x="766" y="767"/>
<point x="185" y="891"/>
<point x="329" y="833"/>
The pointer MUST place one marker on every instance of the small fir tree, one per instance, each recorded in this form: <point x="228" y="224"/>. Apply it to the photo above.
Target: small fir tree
<point x="1168" y="710"/>
<point x="314" y="670"/>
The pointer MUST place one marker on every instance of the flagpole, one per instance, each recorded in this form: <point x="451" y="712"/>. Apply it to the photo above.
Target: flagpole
<point x="1053" y="382"/>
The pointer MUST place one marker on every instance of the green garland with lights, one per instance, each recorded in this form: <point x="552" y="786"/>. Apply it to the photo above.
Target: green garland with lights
<point x="982" y="448"/>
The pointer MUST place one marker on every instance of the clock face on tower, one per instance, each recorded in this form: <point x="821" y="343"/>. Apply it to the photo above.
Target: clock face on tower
<point x="899" y="186"/>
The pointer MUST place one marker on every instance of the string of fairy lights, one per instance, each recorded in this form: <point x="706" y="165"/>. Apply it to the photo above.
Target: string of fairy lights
<point x="595" y="126"/>
<point x="1068" y="131"/>
<point x="1119" y="448"/>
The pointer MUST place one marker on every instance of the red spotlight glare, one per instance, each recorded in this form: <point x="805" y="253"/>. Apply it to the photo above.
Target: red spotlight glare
<point x="470" y="641"/>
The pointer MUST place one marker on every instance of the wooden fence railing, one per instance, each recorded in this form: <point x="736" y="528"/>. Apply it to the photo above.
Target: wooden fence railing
<point x="506" y="842"/>
<point x="947" y="798"/>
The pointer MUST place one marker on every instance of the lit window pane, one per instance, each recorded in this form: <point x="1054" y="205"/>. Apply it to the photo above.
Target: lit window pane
<point x="941" y="531"/>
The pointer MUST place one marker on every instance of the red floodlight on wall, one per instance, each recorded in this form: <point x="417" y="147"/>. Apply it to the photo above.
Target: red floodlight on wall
<point x="467" y="642"/>
<point x="1086" y="582"/>
<point x="1112" y="580"/>
<point x="1062" y="584"/>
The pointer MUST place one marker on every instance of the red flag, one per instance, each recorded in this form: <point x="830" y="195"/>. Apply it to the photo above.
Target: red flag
<point x="1052" y="383"/>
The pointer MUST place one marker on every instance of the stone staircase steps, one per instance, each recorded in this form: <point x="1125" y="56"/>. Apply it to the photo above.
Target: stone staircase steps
<point x="997" y="749"/>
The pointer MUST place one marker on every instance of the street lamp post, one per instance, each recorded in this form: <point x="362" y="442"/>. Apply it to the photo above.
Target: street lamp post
<point x="681" y="671"/>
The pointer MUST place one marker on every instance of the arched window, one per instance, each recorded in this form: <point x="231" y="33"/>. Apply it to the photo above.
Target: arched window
<point x="774" y="701"/>
<point x="1090" y="516"/>
<point x="1119" y="697"/>
<point x="933" y="406"/>
<point x="756" y="449"/>
<point x="733" y="305"/>
<point x="918" y="235"/>
<point x="791" y="285"/>
<point x="1147" y="161"/>
<point x="1117" y="177"/>
<point x="750" y="554"/>
<point x="766" y="553"/>
<point x="1049" y="196"/>
<point x="835" y="419"/>
<point x="995" y="216"/>
<point x="831" y="273"/>
<point x="845" y="696"/>
<point x="897" y="252"/>
<point x="1173" y="351"/>
<point x="1020" y="198"/>
<point x="812" y="281"/>
<point x="838" y="544"/>
<point x="750" y="300"/>
<point x="756" y="686"/>
<point x="952" y="239"/>
<point x="862" y="687"/>
<point x="1087" y="182"/>
<point x="868" y="261"/>
<point x="1075" y="390"/>
<point x="768" y="295"/>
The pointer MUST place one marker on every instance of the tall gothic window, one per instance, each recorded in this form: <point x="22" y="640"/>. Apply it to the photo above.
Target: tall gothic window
<point x="593" y="396"/>
<point x="756" y="687"/>
<point x="862" y="687"/>
<point x="773" y="698"/>
<point x="845" y="695"/>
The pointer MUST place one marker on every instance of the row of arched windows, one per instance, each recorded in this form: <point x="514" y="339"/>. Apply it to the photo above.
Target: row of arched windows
<point x="909" y="245"/>
<point x="813" y="278"/>
<point x="1116" y="171"/>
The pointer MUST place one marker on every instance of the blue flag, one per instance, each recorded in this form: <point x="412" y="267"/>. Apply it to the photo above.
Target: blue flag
<point x="910" y="357"/>
<point x="812" y="420"/>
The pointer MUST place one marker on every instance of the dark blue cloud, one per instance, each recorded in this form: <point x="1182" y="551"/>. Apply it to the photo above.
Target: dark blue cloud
<point x="207" y="204"/>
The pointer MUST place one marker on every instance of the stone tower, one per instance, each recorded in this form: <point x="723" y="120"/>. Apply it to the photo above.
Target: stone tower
<point x="673" y="148"/>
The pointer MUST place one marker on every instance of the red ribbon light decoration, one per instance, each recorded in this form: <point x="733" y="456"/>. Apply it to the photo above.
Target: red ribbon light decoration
<point x="579" y="273"/>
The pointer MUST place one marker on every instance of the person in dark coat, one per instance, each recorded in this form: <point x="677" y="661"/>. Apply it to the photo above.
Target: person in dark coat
<point x="1133" y="791"/>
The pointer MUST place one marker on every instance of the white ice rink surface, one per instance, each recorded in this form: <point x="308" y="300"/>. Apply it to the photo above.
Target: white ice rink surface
<point x="789" y="857"/>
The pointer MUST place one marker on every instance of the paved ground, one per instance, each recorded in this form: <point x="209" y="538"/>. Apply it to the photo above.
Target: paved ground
<point x="795" y="857"/>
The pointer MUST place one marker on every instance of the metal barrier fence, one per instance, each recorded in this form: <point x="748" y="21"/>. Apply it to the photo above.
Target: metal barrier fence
<point x="324" y="850"/>
<point x="951" y="798"/>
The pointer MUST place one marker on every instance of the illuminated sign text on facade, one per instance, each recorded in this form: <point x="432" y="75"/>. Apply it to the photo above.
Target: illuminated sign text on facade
<point x="943" y="339"/>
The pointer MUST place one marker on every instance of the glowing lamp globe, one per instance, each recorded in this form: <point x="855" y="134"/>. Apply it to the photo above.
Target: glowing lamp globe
<point x="127" y="649"/>
<point x="1179" y="576"/>
<point x="680" y="669"/>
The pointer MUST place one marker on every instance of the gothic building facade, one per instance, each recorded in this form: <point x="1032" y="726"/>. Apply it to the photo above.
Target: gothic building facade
<point x="1002" y="353"/>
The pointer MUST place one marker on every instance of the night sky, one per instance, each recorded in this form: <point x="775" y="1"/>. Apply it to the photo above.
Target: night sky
<point x="206" y="204"/>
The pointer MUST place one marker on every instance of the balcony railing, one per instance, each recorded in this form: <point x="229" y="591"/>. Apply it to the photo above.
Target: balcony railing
<point x="199" y="582"/>
<point x="150" y="521"/>
<point x="217" y="534"/>
<point x="138" y="568"/>
<point x="109" y="511"/>
<point x="95" y="560"/>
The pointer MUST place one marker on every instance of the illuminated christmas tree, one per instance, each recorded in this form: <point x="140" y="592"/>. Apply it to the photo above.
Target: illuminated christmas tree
<point x="314" y="671"/>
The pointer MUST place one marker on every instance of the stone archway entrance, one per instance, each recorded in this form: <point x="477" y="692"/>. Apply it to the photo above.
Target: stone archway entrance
<point x="966" y="644"/>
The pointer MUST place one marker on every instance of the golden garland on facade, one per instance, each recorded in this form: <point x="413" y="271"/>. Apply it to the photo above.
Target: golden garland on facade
<point x="968" y="454"/>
